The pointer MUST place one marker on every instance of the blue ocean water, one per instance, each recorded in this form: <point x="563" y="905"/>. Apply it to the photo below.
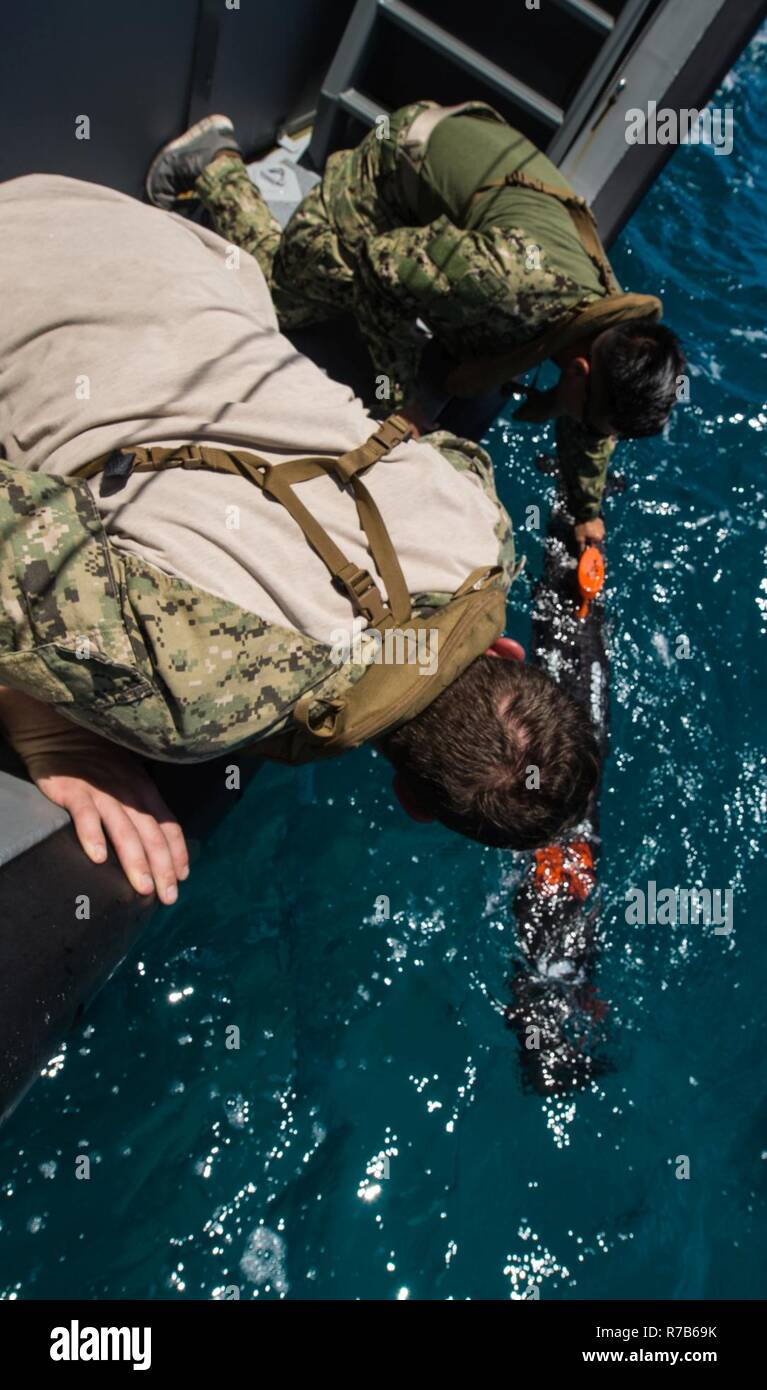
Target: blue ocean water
<point x="371" y="1137"/>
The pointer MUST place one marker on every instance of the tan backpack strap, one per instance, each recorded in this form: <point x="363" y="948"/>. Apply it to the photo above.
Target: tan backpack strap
<point x="383" y="552"/>
<point x="485" y="573"/>
<point x="362" y="590"/>
<point x="347" y="468"/>
<point x="326" y="726"/>
<point x="140" y="459"/>
<point x="359" y="584"/>
<point x="277" y="480"/>
<point x="394" y="430"/>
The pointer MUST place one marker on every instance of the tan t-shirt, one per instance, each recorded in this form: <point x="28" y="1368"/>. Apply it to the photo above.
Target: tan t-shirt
<point x="125" y="325"/>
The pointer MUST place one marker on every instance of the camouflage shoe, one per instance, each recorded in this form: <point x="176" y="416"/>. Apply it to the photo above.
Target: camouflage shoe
<point x="177" y="166"/>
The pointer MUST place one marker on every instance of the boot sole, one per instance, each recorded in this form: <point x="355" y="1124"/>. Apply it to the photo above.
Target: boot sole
<point x="217" y="122"/>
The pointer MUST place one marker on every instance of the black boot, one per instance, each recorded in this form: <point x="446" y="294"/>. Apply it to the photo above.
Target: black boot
<point x="177" y="166"/>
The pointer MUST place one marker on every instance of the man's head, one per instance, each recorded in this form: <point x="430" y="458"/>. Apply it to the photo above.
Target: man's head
<point x="502" y="755"/>
<point x="625" y="381"/>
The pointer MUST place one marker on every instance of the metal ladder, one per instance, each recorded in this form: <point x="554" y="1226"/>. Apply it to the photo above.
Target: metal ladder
<point x="341" y="95"/>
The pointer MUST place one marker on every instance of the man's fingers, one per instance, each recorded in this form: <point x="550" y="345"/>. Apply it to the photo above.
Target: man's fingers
<point x="589" y="533"/>
<point x="177" y="846"/>
<point x="87" y="823"/>
<point x="158" y="853"/>
<point x="127" y="842"/>
<point x="152" y="802"/>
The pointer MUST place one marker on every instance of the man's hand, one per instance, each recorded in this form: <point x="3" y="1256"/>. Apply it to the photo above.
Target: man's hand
<point x="590" y="532"/>
<point x="109" y="793"/>
<point x="416" y="416"/>
<point x="105" y="790"/>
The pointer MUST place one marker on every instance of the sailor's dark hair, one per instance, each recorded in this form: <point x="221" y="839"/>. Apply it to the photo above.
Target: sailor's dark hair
<point x="471" y="757"/>
<point x="639" y="375"/>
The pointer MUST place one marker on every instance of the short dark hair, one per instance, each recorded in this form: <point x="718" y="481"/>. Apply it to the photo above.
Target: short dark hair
<point x="469" y="755"/>
<point x="639" y="372"/>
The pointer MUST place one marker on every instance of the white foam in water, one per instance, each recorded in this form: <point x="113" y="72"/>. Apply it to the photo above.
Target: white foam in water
<point x="596" y="691"/>
<point x="237" y="1111"/>
<point x="264" y="1260"/>
<point x="660" y="643"/>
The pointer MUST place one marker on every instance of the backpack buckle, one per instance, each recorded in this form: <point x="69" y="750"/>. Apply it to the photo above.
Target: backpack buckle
<point x="395" y="429"/>
<point x="363" y="591"/>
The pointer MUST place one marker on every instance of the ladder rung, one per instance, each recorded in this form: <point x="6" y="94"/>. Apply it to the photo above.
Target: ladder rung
<point x="360" y="106"/>
<point x="468" y="58"/>
<point x="591" y="14"/>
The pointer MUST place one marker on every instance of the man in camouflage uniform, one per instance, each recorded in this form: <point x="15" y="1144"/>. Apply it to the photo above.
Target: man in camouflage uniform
<point x="448" y="216"/>
<point x="160" y="594"/>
